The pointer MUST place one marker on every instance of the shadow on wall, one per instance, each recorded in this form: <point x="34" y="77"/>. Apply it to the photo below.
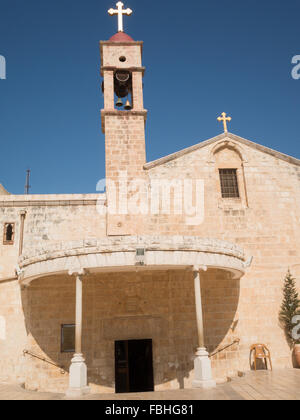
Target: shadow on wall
<point x="220" y="301"/>
<point x="47" y="303"/>
<point x="127" y="306"/>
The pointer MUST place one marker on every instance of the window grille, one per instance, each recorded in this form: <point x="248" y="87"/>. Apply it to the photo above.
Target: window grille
<point x="229" y="183"/>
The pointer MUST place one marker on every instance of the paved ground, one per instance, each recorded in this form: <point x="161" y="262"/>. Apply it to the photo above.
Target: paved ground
<point x="262" y="385"/>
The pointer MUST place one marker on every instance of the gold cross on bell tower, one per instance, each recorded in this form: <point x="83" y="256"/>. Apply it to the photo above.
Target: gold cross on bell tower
<point x="120" y="12"/>
<point x="224" y="119"/>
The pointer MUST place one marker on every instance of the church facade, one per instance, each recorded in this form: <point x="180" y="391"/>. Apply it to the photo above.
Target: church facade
<point x="166" y="278"/>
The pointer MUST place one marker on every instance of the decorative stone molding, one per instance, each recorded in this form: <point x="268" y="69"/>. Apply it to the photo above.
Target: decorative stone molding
<point x="60" y="200"/>
<point x="235" y="138"/>
<point x="119" y="254"/>
<point x="77" y="272"/>
<point x="248" y="263"/>
<point x="130" y="243"/>
<point x="227" y="142"/>
<point x="197" y="268"/>
<point x="114" y="68"/>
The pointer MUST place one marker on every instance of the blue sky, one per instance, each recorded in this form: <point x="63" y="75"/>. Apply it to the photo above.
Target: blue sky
<point x="202" y="58"/>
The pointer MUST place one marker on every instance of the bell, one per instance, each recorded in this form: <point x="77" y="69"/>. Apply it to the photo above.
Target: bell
<point x="128" y="106"/>
<point x="119" y="103"/>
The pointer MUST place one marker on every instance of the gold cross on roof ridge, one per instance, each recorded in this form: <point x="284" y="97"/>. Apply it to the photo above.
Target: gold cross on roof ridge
<point x="224" y="119"/>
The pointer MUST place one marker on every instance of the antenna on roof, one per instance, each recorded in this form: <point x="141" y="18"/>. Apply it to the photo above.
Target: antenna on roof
<point x="27" y="185"/>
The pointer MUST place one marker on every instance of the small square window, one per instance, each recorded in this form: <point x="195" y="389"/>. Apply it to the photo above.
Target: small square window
<point x="68" y="338"/>
<point x="9" y="234"/>
<point x="229" y="183"/>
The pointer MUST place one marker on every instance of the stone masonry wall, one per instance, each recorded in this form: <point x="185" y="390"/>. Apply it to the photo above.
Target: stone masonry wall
<point x="49" y="220"/>
<point x="153" y="305"/>
<point x="267" y="228"/>
<point x="125" y="158"/>
<point x="265" y="222"/>
<point x="13" y="336"/>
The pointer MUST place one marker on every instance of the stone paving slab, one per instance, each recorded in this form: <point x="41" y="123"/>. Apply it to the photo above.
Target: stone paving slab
<point x="261" y="385"/>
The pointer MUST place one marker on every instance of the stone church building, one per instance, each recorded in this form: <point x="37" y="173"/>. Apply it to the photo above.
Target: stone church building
<point x="129" y="289"/>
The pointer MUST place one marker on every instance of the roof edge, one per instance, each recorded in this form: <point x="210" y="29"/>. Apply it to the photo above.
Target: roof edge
<point x="3" y="190"/>
<point x="220" y="137"/>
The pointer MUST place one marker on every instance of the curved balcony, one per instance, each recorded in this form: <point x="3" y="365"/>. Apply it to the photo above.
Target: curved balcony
<point x="111" y="254"/>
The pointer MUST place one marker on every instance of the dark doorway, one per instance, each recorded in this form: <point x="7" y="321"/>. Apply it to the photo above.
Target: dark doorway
<point x="134" y="366"/>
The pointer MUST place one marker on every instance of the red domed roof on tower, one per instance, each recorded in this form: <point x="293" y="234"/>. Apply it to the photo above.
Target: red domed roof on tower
<point x="121" y="37"/>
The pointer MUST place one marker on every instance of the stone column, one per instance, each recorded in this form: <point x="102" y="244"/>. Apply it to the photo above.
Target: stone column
<point x="109" y="98"/>
<point x="202" y="364"/>
<point x="22" y="222"/>
<point x="78" y="369"/>
<point x="137" y="91"/>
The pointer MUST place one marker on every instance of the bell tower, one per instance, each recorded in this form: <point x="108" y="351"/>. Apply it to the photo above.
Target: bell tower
<point x="123" y="116"/>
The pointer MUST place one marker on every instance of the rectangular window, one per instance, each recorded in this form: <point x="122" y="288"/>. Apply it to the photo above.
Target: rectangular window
<point x="68" y="338"/>
<point x="229" y="183"/>
<point x="9" y="234"/>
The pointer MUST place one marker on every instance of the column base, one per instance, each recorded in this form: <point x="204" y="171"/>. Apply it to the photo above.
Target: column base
<point x="77" y="392"/>
<point x="204" y="384"/>
<point x="78" y="378"/>
<point x="203" y="373"/>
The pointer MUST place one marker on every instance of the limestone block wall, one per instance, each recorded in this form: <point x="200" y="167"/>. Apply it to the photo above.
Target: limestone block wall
<point x="273" y="197"/>
<point x="13" y="336"/>
<point x="125" y="158"/>
<point x="49" y="220"/>
<point x="9" y="253"/>
<point x="265" y="222"/>
<point x="125" y="145"/>
<point x="153" y="305"/>
<point x="111" y="52"/>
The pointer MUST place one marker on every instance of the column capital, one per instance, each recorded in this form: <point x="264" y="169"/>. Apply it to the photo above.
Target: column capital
<point x="77" y="272"/>
<point x="23" y="213"/>
<point x="197" y="268"/>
